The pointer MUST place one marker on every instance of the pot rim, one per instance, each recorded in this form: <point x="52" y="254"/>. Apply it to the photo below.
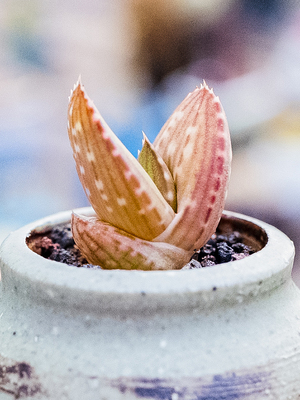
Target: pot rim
<point x="55" y="281"/>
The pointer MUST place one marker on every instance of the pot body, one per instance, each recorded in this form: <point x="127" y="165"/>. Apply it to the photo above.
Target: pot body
<point x="230" y="331"/>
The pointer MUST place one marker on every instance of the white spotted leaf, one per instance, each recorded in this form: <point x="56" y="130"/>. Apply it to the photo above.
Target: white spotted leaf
<point x="105" y="245"/>
<point x="195" y="145"/>
<point x="119" y="189"/>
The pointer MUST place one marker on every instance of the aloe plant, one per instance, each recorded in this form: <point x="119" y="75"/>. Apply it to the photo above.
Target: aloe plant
<point x="151" y="213"/>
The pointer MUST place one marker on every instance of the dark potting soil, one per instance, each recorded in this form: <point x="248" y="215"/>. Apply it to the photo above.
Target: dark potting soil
<point x="58" y="245"/>
<point x="220" y="249"/>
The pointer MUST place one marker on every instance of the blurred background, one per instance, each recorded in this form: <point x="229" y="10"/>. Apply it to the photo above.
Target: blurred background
<point x="138" y="59"/>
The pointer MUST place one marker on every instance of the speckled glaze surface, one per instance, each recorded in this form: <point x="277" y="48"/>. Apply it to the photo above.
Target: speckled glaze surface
<point x="227" y="332"/>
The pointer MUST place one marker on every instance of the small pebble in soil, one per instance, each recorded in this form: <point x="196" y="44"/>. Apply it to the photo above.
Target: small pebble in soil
<point x="59" y="245"/>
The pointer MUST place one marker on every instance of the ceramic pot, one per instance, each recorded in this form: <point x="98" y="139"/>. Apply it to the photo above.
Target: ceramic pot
<point x="230" y="331"/>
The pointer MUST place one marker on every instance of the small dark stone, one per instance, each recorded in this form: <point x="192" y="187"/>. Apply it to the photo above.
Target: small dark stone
<point x="224" y="252"/>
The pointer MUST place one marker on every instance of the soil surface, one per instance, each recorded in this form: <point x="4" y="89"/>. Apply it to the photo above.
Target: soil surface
<point x="220" y="249"/>
<point x="58" y="245"/>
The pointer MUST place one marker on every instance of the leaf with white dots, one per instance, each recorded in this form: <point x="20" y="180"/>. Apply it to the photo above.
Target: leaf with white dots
<point x="111" y="248"/>
<point x="119" y="189"/>
<point x="195" y="145"/>
<point x="156" y="168"/>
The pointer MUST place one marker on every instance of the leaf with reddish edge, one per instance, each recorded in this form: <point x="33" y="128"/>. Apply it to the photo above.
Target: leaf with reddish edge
<point x="111" y="248"/>
<point x="119" y="189"/>
<point x="195" y="145"/>
<point x="156" y="168"/>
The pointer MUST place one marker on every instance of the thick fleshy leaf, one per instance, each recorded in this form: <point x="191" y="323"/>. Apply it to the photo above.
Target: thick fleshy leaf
<point x="119" y="189"/>
<point x="111" y="248"/>
<point x="156" y="168"/>
<point x="195" y="145"/>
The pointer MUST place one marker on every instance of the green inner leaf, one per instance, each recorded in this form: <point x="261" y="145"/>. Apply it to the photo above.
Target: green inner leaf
<point x="158" y="171"/>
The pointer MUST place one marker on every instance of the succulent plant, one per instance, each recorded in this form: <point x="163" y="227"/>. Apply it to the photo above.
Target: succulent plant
<point x="151" y="213"/>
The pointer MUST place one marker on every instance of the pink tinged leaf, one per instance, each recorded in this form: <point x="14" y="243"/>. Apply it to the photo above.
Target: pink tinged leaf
<point x="195" y="145"/>
<point x="119" y="189"/>
<point x="156" y="168"/>
<point x="111" y="248"/>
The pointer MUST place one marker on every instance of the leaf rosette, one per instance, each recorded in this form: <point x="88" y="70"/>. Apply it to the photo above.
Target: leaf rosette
<point x="151" y="213"/>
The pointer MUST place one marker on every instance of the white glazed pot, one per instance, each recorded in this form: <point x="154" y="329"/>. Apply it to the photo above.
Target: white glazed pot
<point x="230" y="331"/>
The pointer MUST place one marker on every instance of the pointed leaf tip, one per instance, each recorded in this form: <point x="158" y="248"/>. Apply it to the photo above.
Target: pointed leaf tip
<point x="119" y="189"/>
<point x="195" y="145"/>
